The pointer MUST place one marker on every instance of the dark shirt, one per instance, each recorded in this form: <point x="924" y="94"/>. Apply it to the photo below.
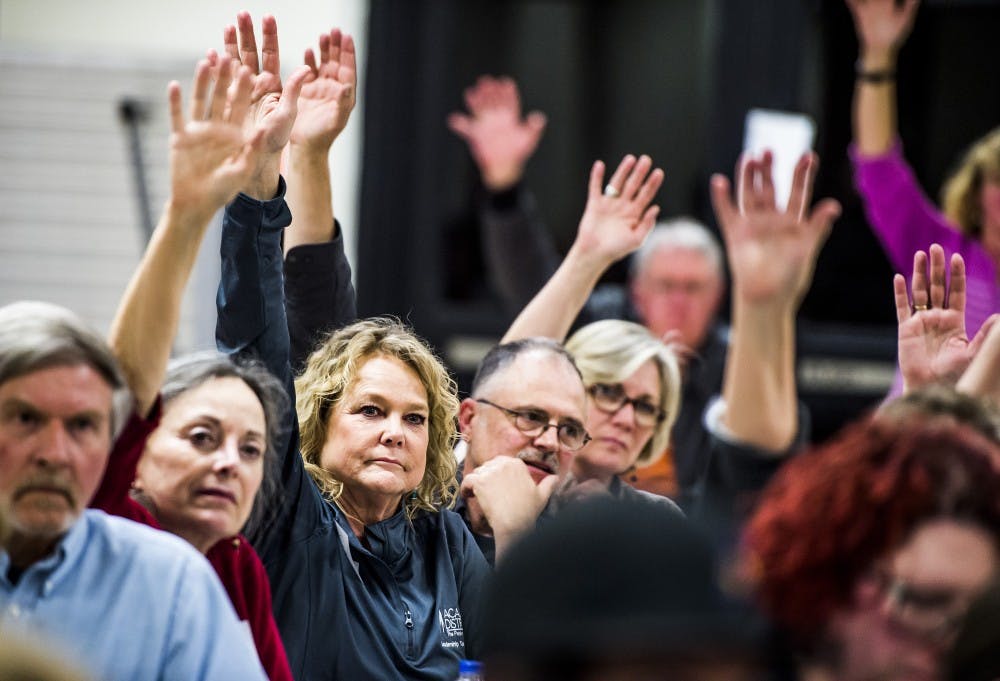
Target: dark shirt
<point x="405" y="604"/>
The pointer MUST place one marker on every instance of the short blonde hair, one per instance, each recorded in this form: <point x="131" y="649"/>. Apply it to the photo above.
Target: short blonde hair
<point x="332" y="369"/>
<point x="961" y="194"/>
<point x="611" y="350"/>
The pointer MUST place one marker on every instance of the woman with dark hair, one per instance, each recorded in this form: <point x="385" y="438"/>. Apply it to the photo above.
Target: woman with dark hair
<point x="869" y="549"/>
<point x="194" y="454"/>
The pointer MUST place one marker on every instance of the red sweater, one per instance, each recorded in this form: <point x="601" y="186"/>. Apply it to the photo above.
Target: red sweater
<point x="237" y="564"/>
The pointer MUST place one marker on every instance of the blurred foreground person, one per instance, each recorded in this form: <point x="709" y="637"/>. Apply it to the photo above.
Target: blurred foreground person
<point x="633" y="595"/>
<point x="869" y="549"/>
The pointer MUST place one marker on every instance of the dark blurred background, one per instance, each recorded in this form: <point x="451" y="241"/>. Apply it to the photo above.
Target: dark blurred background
<point x="670" y="78"/>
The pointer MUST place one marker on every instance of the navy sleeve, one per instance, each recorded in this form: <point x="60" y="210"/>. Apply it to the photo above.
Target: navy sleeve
<point x="251" y="322"/>
<point x="518" y="250"/>
<point x="319" y="295"/>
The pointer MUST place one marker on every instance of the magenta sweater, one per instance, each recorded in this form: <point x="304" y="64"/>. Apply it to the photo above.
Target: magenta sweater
<point x="905" y="221"/>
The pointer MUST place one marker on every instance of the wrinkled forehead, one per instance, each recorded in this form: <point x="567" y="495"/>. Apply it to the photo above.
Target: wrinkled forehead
<point x="680" y="262"/>
<point x="542" y="379"/>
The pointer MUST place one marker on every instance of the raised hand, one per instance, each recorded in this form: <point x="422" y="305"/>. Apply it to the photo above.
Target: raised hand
<point x="501" y="142"/>
<point x="618" y="215"/>
<point x="772" y="252"/>
<point x="211" y="155"/>
<point x="615" y="222"/>
<point x="273" y="107"/>
<point x="933" y="345"/>
<point x="329" y="93"/>
<point x="882" y="25"/>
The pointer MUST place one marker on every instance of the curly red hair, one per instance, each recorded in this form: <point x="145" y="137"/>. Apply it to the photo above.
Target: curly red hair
<point x="830" y="514"/>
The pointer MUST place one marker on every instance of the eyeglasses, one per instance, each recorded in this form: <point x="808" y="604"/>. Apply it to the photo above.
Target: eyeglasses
<point x="933" y="614"/>
<point x="534" y="422"/>
<point x="610" y="397"/>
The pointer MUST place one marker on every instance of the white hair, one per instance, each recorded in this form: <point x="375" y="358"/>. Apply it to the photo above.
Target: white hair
<point x="681" y="233"/>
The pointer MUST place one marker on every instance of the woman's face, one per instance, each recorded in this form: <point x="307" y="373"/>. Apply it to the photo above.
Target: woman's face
<point x="906" y="610"/>
<point x="377" y="434"/>
<point x="203" y="466"/>
<point x="618" y="438"/>
<point x="990" y="200"/>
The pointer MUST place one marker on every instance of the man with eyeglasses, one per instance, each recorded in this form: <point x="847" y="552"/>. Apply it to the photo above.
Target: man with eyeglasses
<point x="521" y="426"/>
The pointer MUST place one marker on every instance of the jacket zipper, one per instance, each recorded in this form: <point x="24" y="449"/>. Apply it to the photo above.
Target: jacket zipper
<point x="409" y="631"/>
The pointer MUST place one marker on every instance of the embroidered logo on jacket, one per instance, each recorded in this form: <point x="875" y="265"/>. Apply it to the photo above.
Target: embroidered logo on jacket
<point x="450" y="621"/>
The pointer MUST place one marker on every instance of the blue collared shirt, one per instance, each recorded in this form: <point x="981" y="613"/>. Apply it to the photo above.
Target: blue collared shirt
<point x="125" y="601"/>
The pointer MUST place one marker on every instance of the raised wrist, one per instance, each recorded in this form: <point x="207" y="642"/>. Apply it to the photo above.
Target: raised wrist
<point x="876" y="60"/>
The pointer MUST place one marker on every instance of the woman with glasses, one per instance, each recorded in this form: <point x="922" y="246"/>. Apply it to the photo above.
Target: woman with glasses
<point x="869" y="549"/>
<point x="632" y="378"/>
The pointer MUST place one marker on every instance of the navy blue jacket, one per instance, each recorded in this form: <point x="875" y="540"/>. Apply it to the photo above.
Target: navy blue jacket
<point x="406" y="606"/>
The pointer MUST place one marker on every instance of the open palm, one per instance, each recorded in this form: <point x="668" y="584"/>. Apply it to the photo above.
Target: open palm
<point x="932" y="343"/>
<point x="772" y="252"/>
<point x="329" y="93"/>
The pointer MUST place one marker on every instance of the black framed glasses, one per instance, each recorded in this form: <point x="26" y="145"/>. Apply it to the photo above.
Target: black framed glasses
<point x="534" y="422"/>
<point x="931" y="613"/>
<point x="610" y="397"/>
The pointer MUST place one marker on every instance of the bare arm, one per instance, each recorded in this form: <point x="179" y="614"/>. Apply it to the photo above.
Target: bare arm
<point x="325" y="105"/>
<point x="772" y="254"/>
<point x="982" y="378"/>
<point x="211" y="158"/>
<point x="881" y="27"/>
<point x="611" y="228"/>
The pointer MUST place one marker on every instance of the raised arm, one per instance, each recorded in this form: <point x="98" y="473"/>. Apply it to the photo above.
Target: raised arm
<point x="500" y="141"/>
<point x="519" y="253"/>
<point x="319" y="295"/>
<point x="882" y="27"/>
<point x="325" y="105"/>
<point x="933" y="345"/>
<point x="616" y="220"/>
<point x="251" y="299"/>
<point x="772" y="254"/>
<point x="211" y="158"/>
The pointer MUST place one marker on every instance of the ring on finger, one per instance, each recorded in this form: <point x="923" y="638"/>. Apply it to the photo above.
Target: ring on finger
<point x="612" y="191"/>
<point x="919" y="308"/>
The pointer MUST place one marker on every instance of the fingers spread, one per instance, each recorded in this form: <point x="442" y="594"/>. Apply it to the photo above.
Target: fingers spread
<point x="745" y="170"/>
<point x="199" y="90"/>
<point x="802" y="181"/>
<point x="460" y="124"/>
<point x="229" y="43"/>
<point x="269" y="50"/>
<point x="239" y="101"/>
<point x="918" y="284"/>
<point x="764" y="181"/>
<point x="248" y="42"/>
<point x="174" y="100"/>
<point x="903" y="311"/>
<point x="938" y="280"/>
<point x="726" y="212"/>
<point x="957" y="285"/>
<point x="309" y="59"/>
<point x="636" y="177"/>
<point x="823" y="216"/>
<point x="218" y="102"/>
<point x="594" y="188"/>
<point x="649" y="188"/>
<point x="348" y="54"/>
<point x="624" y="168"/>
